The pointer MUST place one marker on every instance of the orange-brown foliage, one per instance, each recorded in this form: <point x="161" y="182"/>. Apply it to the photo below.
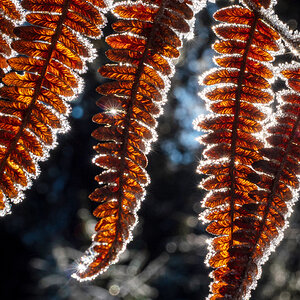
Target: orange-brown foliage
<point x="9" y="14"/>
<point x="241" y="87"/>
<point x="147" y="37"/>
<point x="33" y="104"/>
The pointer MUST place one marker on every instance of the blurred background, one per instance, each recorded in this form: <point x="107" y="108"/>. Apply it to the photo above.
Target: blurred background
<point x="42" y="241"/>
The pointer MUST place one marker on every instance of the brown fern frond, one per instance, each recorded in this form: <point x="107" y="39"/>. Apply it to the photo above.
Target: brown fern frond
<point x="267" y="215"/>
<point x="148" y="36"/>
<point x="33" y="105"/>
<point x="290" y="38"/>
<point x="10" y="16"/>
<point x="240" y="91"/>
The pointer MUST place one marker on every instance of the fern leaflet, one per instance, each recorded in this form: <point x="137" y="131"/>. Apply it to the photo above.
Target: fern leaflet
<point x="240" y="91"/>
<point x="148" y="36"/>
<point x="267" y="216"/>
<point x="33" y="105"/>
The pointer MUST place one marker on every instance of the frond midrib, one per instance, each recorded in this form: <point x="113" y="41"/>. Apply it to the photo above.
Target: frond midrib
<point x="236" y="122"/>
<point x="130" y="106"/>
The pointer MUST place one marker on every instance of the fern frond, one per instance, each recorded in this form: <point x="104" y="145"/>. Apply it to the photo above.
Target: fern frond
<point x="279" y="182"/>
<point x="10" y="15"/>
<point x="290" y="38"/>
<point x="148" y="36"/>
<point x="240" y="90"/>
<point x="33" y="104"/>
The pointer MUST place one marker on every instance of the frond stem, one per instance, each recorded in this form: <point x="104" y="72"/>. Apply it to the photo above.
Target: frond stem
<point x="234" y="137"/>
<point x="129" y="110"/>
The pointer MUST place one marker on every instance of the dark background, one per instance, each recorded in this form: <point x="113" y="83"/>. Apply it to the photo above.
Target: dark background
<point x="43" y="239"/>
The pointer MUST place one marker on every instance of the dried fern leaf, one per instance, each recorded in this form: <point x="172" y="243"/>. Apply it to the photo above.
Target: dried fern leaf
<point x="240" y="89"/>
<point x="148" y="35"/>
<point x="279" y="182"/>
<point x="290" y="38"/>
<point x="33" y="104"/>
<point x="10" y="15"/>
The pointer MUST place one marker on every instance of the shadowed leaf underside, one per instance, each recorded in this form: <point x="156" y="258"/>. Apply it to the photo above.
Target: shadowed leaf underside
<point x="236" y="94"/>
<point x="33" y="103"/>
<point x="260" y="3"/>
<point x="148" y="35"/>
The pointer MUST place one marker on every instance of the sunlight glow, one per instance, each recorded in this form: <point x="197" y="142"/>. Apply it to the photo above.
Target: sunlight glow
<point x="113" y="111"/>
